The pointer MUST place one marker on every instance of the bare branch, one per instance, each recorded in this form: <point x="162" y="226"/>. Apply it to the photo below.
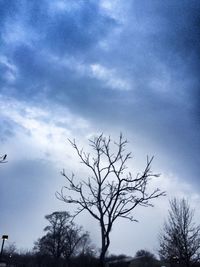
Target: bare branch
<point x="110" y="192"/>
<point x="180" y="237"/>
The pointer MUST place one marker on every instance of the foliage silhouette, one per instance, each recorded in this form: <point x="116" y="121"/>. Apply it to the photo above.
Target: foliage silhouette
<point x="63" y="239"/>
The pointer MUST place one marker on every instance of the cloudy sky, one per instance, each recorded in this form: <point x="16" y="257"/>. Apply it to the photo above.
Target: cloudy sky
<point x="76" y="68"/>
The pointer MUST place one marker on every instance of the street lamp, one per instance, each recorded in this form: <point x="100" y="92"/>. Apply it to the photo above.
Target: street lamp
<point x="4" y="237"/>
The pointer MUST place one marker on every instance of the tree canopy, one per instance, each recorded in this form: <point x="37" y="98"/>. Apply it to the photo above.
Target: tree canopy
<point x="63" y="238"/>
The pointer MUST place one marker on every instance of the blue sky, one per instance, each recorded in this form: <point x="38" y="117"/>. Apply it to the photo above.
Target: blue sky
<point x="74" y="69"/>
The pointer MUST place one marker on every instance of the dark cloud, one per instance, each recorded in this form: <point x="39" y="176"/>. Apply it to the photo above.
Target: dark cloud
<point x="79" y="30"/>
<point x="71" y="30"/>
<point x="157" y="52"/>
<point x="63" y="32"/>
<point x="174" y="40"/>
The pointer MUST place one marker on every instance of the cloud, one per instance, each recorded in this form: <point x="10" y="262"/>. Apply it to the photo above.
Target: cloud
<point x="144" y="60"/>
<point x="9" y="70"/>
<point x="109" y="77"/>
<point x="36" y="143"/>
<point x="67" y="26"/>
<point x="47" y="129"/>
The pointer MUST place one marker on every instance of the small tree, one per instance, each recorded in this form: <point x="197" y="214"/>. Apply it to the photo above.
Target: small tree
<point x="62" y="238"/>
<point x="180" y="239"/>
<point x="145" y="254"/>
<point x="74" y="243"/>
<point x="145" y="258"/>
<point x="52" y="243"/>
<point x="110" y="192"/>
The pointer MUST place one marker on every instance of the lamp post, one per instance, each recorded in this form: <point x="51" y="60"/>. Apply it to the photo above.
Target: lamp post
<point x="4" y="237"/>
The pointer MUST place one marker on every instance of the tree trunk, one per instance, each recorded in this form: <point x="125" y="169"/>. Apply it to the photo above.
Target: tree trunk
<point x="103" y="253"/>
<point x="102" y="259"/>
<point x="104" y="247"/>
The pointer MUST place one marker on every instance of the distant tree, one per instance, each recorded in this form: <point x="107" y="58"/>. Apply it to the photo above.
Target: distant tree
<point x="180" y="239"/>
<point x="144" y="258"/>
<point x="22" y="258"/>
<point x="120" y="260"/>
<point x="113" y="257"/>
<point x="10" y="249"/>
<point x="86" y="246"/>
<point x="145" y="254"/>
<point x="62" y="239"/>
<point x="53" y="242"/>
<point x="110" y="192"/>
<point x="75" y="242"/>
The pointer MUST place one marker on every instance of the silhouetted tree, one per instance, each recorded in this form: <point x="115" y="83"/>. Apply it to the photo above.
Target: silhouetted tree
<point x="110" y="192"/>
<point x="145" y="254"/>
<point x="53" y="242"/>
<point x="86" y="246"/>
<point x="10" y="249"/>
<point x="75" y="242"/>
<point x="62" y="239"/>
<point x="144" y="258"/>
<point x="14" y="257"/>
<point x="180" y="239"/>
<point x="120" y="260"/>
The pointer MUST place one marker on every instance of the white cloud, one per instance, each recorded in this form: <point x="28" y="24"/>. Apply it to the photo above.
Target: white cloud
<point x="110" y="77"/>
<point x="115" y="9"/>
<point x="41" y="131"/>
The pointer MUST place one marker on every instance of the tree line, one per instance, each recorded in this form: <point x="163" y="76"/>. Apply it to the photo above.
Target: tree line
<point x="67" y="244"/>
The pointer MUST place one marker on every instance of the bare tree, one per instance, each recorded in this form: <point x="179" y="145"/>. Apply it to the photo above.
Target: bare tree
<point x="110" y="192"/>
<point x="180" y="239"/>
